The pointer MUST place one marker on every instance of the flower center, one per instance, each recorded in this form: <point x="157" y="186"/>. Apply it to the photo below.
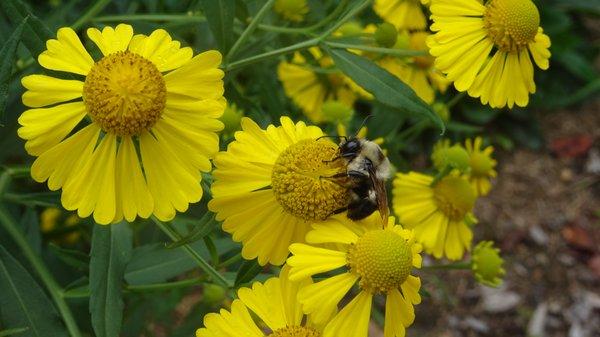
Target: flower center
<point x="511" y="24"/>
<point x="300" y="182"/>
<point x="382" y="259"/>
<point x="454" y="197"/>
<point x="481" y="165"/>
<point x="124" y="93"/>
<point x="295" y="331"/>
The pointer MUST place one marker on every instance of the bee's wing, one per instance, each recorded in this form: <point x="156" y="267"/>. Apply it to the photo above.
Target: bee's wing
<point x="381" y="195"/>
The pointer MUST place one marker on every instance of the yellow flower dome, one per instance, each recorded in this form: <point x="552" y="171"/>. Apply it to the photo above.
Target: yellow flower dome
<point x="486" y="264"/>
<point x="468" y="32"/>
<point x="417" y="72"/>
<point x="292" y="10"/>
<point x="482" y="166"/>
<point x="269" y="309"/>
<point x="268" y="186"/>
<point x="404" y="14"/>
<point x="310" y="86"/>
<point x="380" y="258"/>
<point x="129" y="134"/>
<point x="440" y="215"/>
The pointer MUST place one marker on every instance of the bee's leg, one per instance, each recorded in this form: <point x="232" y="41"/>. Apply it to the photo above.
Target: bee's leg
<point x="340" y="210"/>
<point x="335" y="176"/>
<point x="332" y="160"/>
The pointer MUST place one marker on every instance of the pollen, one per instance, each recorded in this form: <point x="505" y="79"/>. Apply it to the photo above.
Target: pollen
<point x="511" y="24"/>
<point x="295" y="331"/>
<point x="302" y="183"/>
<point x="382" y="259"/>
<point x="454" y="197"/>
<point x="124" y="93"/>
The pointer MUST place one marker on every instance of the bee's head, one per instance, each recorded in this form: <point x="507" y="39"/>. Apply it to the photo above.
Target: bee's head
<point x="350" y="147"/>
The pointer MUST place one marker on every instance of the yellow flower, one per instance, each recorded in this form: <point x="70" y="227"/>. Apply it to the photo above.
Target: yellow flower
<point x="379" y="258"/>
<point x="440" y="215"/>
<point x="268" y="186"/>
<point x="404" y="14"/>
<point x="145" y="98"/>
<point x="272" y="304"/>
<point x="310" y="86"/>
<point x="419" y="72"/>
<point x="293" y="10"/>
<point x="482" y="166"/>
<point x="487" y="264"/>
<point x="468" y="32"/>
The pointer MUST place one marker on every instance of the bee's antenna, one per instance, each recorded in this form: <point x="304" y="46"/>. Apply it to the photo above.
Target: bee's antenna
<point x="362" y="124"/>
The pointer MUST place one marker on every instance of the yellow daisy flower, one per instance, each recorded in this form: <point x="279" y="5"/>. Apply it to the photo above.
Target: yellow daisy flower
<point x="145" y="98"/>
<point x="468" y="32"/>
<point x="270" y="306"/>
<point x="418" y="72"/>
<point x="380" y="258"/>
<point x="311" y="86"/>
<point x="404" y="14"/>
<point x="268" y="186"/>
<point x="486" y="264"/>
<point x="293" y="10"/>
<point x="482" y="166"/>
<point x="440" y="215"/>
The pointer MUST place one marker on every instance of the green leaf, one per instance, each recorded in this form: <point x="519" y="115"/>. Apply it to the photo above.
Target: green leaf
<point x="71" y="257"/>
<point x="42" y="199"/>
<point x="35" y="33"/>
<point x="220" y="14"/>
<point x="23" y="304"/>
<point x="111" y="250"/>
<point x="155" y="263"/>
<point x="7" y="56"/>
<point x="11" y="332"/>
<point x="247" y="272"/>
<point x="386" y="88"/>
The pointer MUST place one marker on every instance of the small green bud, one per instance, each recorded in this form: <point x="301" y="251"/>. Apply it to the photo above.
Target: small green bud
<point x="231" y="118"/>
<point x="213" y="294"/>
<point x="458" y="158"/>
<point x="350" y="28"/>
<point x="386" y="35"/>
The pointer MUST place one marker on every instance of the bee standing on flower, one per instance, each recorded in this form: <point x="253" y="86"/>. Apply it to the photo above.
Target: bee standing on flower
<point x="368" y="169"/>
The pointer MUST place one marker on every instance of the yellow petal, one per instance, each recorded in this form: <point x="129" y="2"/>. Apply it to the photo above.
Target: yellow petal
<point x="45" y="90"/>
<point x="308" y="260"/>
<point x="65" y="159"/>
<point x="133" y="193"/>
<point x="160" y="48"/>
<point x="170" y="182"/>
<point x="320" y="299"/>
<point x="266" y="302"/>
<point x="111" y="40"/>
<point x="236" y="323"/>
<point x="43" y="128"/>
<point x="66" y="53"/>
<point x="353" y="319"/>
<point x="199" y="78"/>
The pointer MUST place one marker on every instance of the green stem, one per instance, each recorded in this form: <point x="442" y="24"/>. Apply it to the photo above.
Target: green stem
<point x="38" y="265"/>
<point x="250" y="29"/>
<point x="91" y="12"/>
<point x="351" y="13"/>
<point x="237" y="257"/>
<point x="84" y="292"/>
<point x="450" y="266"/>
<point x="305" y="30"/>
<point x="455" y="99"/>
<point x="387" y="51"/>
<point x="205" y="266"/>
<point x="150" y="17"/>
<point x="276" y="52"/>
